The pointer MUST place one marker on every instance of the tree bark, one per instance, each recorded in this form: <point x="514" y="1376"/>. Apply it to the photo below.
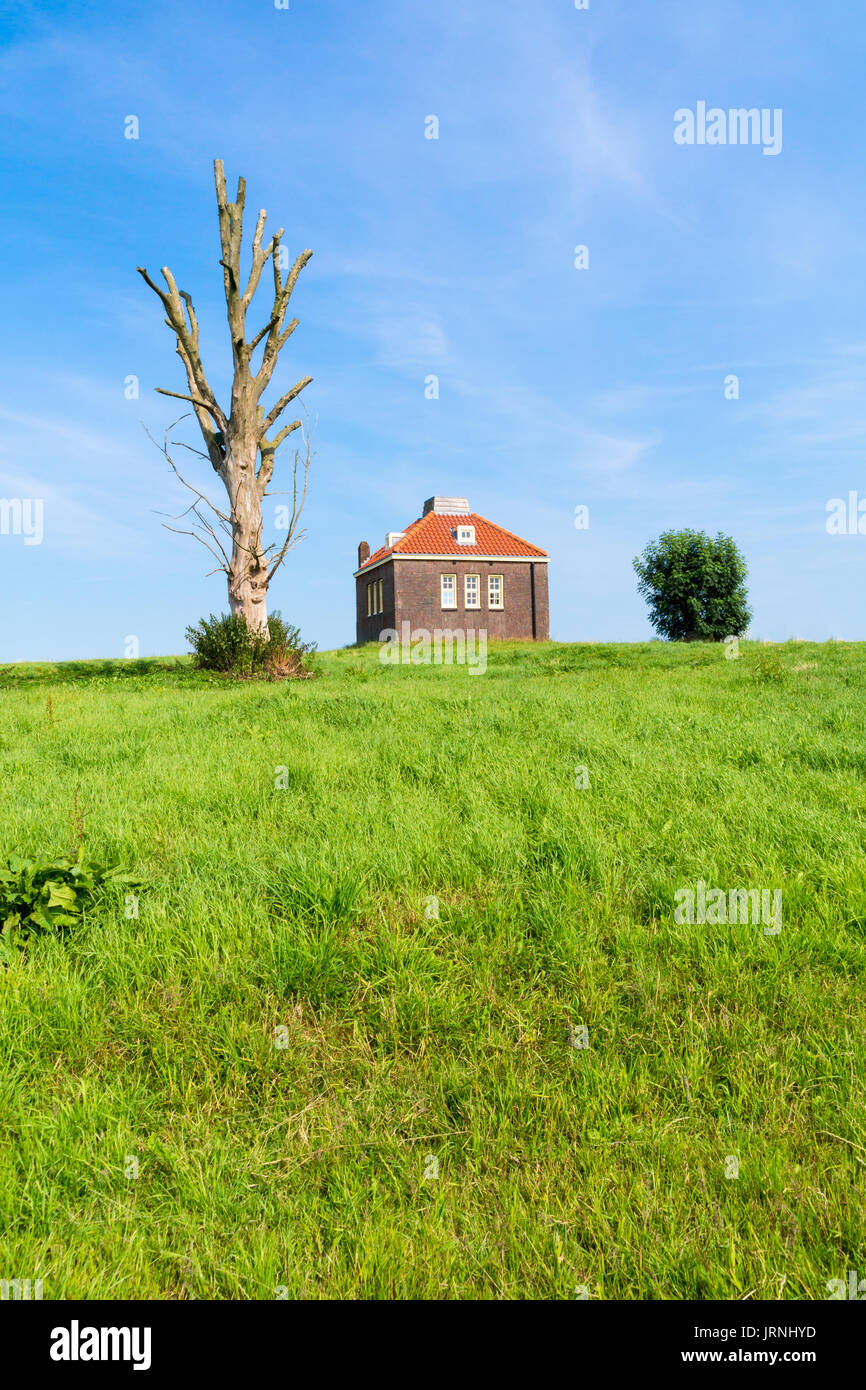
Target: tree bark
<point x="248" y="567"/>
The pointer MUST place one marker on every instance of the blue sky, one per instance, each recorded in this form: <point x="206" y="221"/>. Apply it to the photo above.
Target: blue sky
<point x="559" y="387"/>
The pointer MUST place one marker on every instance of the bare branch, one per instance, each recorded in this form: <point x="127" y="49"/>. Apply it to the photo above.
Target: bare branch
<point x="276" y="411"/>
<point x="226" y="567"/>
<point x="162" y="294"/>
<point x="201" y="495"/>
<point x="263" y="334"/>
<point x="293" y="537"/>
<point x="231" y="217"/>
<point x="220" y="177"/>
<point x="163" y="449"/>
<point x="214" y="409"/>
<point x="282" y="295"/>
<point x="260" y="259"/>
<point x="284" y="337"/>
<point x="193" y="321"/>
<point x="179" y="308"/>
<point x="214" y="440"/>
<point x="190" y="448"/>
<point x="285" y="432"/>
<point x="268" y="450"/>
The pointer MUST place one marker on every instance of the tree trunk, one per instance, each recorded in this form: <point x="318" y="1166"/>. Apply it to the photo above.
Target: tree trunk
<point x="248" y="578"/>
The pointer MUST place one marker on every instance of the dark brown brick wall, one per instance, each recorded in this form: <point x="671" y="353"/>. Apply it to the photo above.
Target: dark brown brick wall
<point x="418" y="598"/>
<point x="368" y="629"/>
<point x="542" y="604"/>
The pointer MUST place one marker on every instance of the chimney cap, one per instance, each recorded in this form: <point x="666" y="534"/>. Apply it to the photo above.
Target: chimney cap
<point x="447" y="506"/>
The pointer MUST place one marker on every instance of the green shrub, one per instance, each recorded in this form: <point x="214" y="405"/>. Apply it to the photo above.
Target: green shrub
<point x="227" y="644"/>
<point x="695" y="586"/>
<point x="768" y="666"/>
<point x="37" y="898"/>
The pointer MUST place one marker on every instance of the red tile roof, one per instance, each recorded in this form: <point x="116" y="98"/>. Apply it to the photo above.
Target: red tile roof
<point x="433" y="534"/>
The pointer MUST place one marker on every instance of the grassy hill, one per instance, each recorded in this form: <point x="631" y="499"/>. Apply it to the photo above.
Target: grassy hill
<point x="329" y="1089"/>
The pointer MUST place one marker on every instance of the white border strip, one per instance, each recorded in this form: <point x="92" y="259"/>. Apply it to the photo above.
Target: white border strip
<point x="497" y="559"/>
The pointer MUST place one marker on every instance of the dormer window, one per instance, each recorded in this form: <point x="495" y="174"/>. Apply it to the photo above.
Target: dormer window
<point x="465" y="535"/>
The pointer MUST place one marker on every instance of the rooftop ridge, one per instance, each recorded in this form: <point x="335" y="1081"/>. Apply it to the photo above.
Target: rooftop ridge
<point x="431" y="534"/>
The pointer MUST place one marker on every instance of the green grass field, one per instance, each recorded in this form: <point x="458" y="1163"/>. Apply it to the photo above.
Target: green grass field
<point x="289" y="1042"/>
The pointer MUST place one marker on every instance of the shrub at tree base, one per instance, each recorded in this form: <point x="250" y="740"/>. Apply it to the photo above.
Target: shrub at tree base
<point x="695" y="586"/>
<point x="227" y="644"/>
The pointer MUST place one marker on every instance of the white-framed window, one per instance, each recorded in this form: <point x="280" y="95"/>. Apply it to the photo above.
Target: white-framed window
<point x="472" y="590"/>
<point x="370" y="600"/>
<point x="465" y="535"/>
<point x="381" y="587"/>
<point x="495" y="591"/>
<point x="449" y="590"/>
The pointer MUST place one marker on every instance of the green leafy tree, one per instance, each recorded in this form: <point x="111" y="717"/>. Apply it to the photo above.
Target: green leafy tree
<point x="695" y="586"/>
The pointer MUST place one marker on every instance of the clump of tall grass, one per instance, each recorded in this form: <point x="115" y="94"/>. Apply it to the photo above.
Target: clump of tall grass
<point x="768" y="667"/>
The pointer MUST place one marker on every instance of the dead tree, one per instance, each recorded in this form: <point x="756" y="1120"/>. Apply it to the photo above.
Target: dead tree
<point x="239" y="443"/>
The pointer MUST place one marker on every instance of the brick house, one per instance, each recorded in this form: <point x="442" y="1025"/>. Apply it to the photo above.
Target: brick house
<point x="452" y="569"/>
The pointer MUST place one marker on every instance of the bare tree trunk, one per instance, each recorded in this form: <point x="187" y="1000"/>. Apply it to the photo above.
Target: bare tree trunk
<point x="248" y="569"/>
<point x="237" y="444"/>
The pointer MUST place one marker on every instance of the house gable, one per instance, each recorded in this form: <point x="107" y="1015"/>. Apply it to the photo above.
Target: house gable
<point x="452" y="566"/>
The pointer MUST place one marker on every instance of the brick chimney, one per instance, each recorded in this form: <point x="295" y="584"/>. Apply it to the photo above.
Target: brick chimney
<point x="447" y="506"/>
<point x="363" y="553"/>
